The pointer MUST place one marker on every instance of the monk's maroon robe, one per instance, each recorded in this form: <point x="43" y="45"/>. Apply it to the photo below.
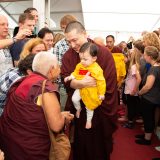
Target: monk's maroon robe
<point x="23" y="129"/>
<point x="94" y="143"/>
<point x="116" y="49"/>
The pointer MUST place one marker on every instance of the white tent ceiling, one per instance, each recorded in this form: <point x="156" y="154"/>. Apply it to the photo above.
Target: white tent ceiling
<point x="58" y="8"/>
<point x="121" y="18"/>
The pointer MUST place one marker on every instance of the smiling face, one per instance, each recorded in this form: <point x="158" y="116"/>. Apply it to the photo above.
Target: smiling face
<point x="3" y="27"/>
<point x="48" y="40"/>
<point x="76" y="39"/>
<point x="54" y="72"/>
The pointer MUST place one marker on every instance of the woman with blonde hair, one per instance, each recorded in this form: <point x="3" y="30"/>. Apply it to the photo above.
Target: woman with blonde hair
<point x="33" y="46"/>
<point x="151" y="39"/>
<point x="132" y="82"/>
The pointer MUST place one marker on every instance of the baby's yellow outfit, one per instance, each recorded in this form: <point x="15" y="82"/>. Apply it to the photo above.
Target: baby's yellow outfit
<point x="90" y="95"/>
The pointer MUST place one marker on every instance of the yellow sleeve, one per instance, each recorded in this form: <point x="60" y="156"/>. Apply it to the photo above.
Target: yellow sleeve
<point x="101" y="84"/>
<point x="76" y="71"/>
<point x="97" y="73"/>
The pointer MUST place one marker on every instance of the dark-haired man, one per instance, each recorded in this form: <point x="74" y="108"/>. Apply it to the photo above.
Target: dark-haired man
<point x="118" y="58"/>
<point x="47" y="36"/>
<point x="26" y="21"/>
<point x="34" y="13"/>
<point x="95" y="143"/>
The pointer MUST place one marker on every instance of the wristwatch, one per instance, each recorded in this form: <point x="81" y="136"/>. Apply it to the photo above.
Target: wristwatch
<point x="14" y="39"/>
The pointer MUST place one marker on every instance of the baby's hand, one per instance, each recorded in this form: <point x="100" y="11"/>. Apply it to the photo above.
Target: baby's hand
<point x="68" y="78"/>
<point x="101" y="97"/>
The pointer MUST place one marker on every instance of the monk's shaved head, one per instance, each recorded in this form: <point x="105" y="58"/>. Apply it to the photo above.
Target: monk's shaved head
<point x="75" y="25"/>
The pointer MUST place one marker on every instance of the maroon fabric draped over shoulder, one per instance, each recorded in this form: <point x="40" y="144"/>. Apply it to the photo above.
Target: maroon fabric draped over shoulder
<point x="116" y="49"/>
<point x="94" y="143"/>
<point x="23" y="129"/>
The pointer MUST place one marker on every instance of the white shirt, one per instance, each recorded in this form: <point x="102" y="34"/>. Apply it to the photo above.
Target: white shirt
<point x="5" y="60"/>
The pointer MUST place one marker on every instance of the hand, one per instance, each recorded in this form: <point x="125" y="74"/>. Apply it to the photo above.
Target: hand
<point x="68" y="116"/>
<point x="101" y="97"/>
<point x="67" y="79"/>
<point x="139" y="93"/>
<point x="134" y="91"/>
<point x="23" y="33"/>
<point x="1" y="155"/>
<point x="89" y="81"/>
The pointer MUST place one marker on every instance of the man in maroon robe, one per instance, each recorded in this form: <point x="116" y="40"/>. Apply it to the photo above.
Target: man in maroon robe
<point x="110" y="40"/>
<point x="95" y="143"/>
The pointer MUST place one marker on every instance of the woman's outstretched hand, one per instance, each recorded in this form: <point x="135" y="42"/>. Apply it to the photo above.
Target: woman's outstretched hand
<point x="68" y="116"/>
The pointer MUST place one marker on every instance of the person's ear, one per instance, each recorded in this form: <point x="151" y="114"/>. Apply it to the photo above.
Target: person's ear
<point x="20" y="25"/>
<point x="85" y="34"/>
<point x="29" y="71"/>
<point x="94" y="58"/>
<point x="50" y="70"/>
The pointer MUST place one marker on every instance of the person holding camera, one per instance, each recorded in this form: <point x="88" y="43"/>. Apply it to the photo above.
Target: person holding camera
<point x="26" y="22"/>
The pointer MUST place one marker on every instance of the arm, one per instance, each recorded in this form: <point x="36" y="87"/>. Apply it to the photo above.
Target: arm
<point x="69" y="78"/>
<point x="138" y="81"/>
<point x="20" y="35"/>
<point x="6" y="42"/>
<point x="53" y="114"/>
<point x="1" y="155"/>
<point x="87" y="81"/>
<point x="101" y="84"/>
<point x="148" y="85"/>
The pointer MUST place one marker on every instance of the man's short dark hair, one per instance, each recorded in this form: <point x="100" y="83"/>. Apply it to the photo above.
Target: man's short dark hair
<point x="74" y="25"/>
<point x="43" y="32"/>
<point x="26" y="64"/>
<point x="25" y="16"/>
<point x="91" y="47"/>
<point x="139" y="45"/>
<point x="110" y="36"/>
<point x="29" y="10"/>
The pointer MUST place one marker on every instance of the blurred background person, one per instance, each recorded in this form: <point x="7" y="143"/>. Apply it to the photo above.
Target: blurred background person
<point x="33" y="46"/>
<point x="99" y="40"/>
<point x="47" y="36"/>
<point x="34" y="13"/>
<point x="12" y="75"/>
<point x="26" y="21"/>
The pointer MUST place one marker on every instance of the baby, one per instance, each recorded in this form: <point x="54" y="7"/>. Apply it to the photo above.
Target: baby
<point x="91" y="96"/>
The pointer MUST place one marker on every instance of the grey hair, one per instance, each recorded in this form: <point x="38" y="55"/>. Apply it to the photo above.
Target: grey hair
<point x="43" y="61"/>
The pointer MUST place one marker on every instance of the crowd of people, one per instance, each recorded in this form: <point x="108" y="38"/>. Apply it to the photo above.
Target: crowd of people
<point x="86" y="80"/>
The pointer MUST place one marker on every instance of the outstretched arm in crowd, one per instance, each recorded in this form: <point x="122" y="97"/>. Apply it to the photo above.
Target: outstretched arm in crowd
<point x="20" y="35"/>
